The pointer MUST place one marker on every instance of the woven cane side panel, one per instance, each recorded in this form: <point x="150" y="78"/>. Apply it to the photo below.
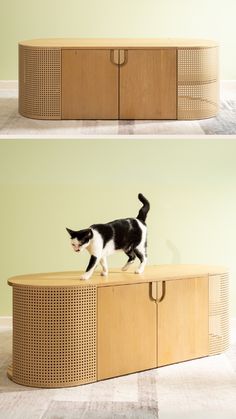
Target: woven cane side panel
<point x="198" y="95"/>
<point x="40" y="82"/>
<point x="218" y="313"/>
<point x="54" y="335"/>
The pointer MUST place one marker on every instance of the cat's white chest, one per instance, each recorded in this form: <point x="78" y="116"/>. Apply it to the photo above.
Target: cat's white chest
<point x="96" y="247"/>
<point x="109" y="248"/>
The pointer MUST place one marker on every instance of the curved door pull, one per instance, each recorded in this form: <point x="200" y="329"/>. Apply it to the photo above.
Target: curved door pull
<point x="158" y="290"/>
<point x="114" y="56"/>
<point x="123" y="56"/>
<point x="161" y="291"/>
<point x="154" y="290"/>
<point x="119" y="56"/>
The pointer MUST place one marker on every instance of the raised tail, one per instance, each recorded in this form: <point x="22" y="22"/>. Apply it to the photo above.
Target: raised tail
<point x="142" y="215"/>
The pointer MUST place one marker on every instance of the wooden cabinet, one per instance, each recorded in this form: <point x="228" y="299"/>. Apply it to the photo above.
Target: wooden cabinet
<point x="118" y="78"/>
<point x="107" y="327"/>
<point x="127" y="330"/>
<point x="148" y="84"/>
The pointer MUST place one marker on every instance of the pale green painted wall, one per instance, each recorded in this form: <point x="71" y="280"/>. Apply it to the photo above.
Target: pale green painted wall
<point x="28" y="19"/>
<point x="47" y="185"/>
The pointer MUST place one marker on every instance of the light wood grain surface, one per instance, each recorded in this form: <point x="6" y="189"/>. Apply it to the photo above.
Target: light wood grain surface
<point x="89" y="85"/>
<point x="116" y="276"/>
<point x="127" y="330"/>
<point x="118" y="42"/>
<point x="148" y="84"/>
<point x="183" y="321"/>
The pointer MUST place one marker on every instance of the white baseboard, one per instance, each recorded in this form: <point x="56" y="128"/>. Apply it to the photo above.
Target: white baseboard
<point x="8" y="84"/>
<point x="5" y="321"/>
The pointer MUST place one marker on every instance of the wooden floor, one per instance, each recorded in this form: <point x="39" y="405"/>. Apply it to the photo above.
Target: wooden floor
<point x="12" y="124"/>
<point x="200" y="389"/>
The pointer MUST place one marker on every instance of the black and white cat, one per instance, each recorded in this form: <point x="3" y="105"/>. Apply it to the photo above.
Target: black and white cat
<point x="101" y="240"/>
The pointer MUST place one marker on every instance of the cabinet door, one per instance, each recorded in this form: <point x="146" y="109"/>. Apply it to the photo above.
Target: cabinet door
<point x="89" y="85"/>
<point x="148" y="84"/>
<point x="126" y="329"/>
<point x="183" y="321"/>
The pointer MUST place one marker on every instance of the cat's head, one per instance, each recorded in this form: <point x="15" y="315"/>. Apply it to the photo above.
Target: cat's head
<point x="80" y="239"/>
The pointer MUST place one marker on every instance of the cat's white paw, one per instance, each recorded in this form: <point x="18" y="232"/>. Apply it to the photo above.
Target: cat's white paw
<point x="84" y="277"/>
<point x="104" y="273"/>
<point x="126" y="266"/>
<point x="138" y="271"/>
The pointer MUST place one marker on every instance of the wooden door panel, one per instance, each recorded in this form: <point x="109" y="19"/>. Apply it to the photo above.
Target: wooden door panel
<point x="148" y="84"/>
<point x="126" y="330"/>
<point x="183" y="321"/>
<point x="89" y="84"/>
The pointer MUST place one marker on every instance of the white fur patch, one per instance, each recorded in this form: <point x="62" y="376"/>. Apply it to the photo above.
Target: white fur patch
<point x="144" y="234"/>
<point x="109" y="249"/>
<point x="96" y="244"/>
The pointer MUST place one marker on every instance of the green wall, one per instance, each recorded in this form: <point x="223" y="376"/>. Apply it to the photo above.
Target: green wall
<point x="28" y="19"/>
<point x="48" y="185"/>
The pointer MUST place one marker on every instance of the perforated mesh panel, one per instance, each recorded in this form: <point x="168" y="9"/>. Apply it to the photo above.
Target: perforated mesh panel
<point x="40" y="82"/>
<point x="218" y="313"/>
<point x="198" y="95"/>
<point x="54" y="335"/>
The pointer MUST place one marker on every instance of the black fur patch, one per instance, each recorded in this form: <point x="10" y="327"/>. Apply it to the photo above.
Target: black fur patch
<point x="83" y="236"/>
<point x="125" y="233"/>
<point x="92" y="262"/>
<point x="142" y="215"/>
<point x="105" y="230"/>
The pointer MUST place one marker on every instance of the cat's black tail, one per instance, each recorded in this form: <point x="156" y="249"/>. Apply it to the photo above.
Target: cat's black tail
<point x="142" y="215"/>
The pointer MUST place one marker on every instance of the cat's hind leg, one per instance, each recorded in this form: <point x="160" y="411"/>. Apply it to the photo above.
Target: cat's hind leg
<point x="103" y="263"/>
<point x="131" y="255"/>
<point x="141" y="253"/>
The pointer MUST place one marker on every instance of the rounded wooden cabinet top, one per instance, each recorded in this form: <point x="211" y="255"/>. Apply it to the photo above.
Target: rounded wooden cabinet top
<point x="117" y="277"/>
<point x="119" y="43"/>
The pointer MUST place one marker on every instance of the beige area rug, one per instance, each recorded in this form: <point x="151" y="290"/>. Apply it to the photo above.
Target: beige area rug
<point x="101" y="410"/>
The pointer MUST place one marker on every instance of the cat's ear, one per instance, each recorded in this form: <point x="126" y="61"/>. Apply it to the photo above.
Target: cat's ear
<point x="71" y="232"/>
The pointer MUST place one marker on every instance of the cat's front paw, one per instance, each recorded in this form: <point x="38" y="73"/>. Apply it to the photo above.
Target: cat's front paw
<point x="138" y="271"/>
<point x="84" y="277"/>
<point x="103" y="273"/>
